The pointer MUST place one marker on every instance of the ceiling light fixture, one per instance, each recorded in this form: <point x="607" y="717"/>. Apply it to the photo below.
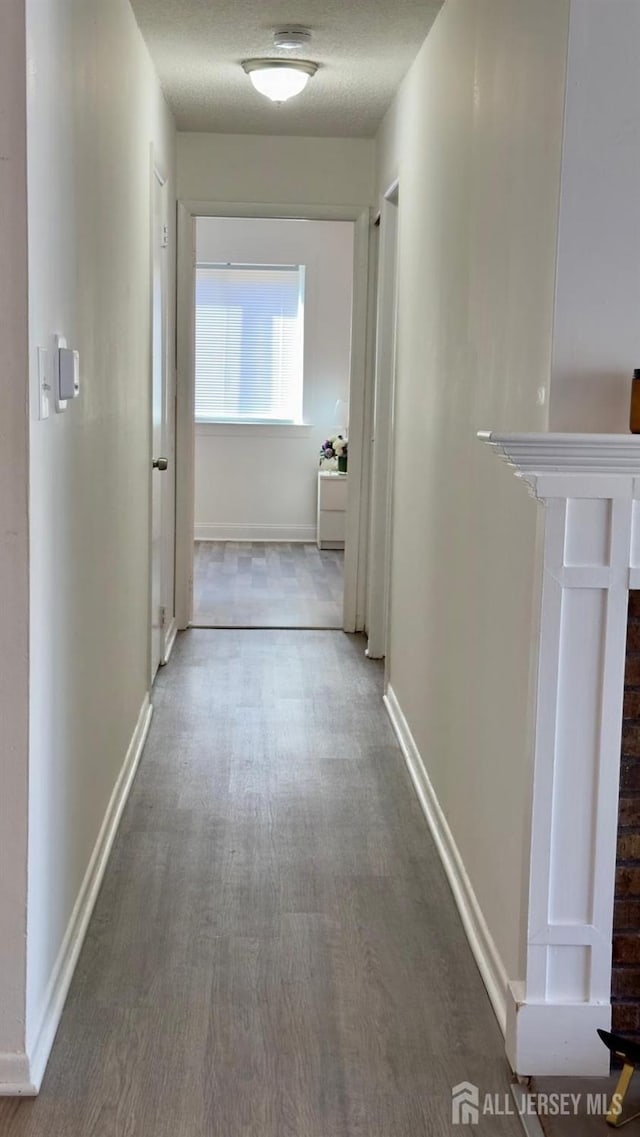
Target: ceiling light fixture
<point x="279" y="79"/>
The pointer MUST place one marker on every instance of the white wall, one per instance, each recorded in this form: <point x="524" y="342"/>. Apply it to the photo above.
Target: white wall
<point x="475" y="136"/>
<point x="14" y="652"/>
<point x="597" y="319"/>
<point x="94" y="109"/>
<point x="260" y="482"/>
<point x="275" y="169"/>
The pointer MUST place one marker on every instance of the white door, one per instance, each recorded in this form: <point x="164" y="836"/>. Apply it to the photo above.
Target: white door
<point x="159" y="461"/>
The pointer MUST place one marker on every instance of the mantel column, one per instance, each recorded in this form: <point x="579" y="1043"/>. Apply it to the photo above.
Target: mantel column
<point x="590" y="488"/>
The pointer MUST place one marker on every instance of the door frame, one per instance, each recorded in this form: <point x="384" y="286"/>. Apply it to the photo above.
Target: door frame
<point x="157" y="210"/>
<point x="159" y="216"/>
<point x="355" y="568"/>
<point x="382" y="453"/>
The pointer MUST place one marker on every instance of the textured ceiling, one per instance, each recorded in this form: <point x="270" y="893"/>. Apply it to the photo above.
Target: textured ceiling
<point x="364" y="48"/>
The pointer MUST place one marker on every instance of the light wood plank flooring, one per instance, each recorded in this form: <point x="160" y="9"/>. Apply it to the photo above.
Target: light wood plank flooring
<point x="267" y="585"/>
<point x="275" y="951"/>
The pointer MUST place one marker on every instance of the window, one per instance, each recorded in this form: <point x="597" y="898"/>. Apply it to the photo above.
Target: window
<point x="249" y="342"/>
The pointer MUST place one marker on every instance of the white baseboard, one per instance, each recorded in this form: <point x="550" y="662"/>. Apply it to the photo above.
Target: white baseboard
<point x="289" y="533"/>
<point x="486" y="954"/>
<point x="169" y="640"/>
<point x="53" y="1003"/>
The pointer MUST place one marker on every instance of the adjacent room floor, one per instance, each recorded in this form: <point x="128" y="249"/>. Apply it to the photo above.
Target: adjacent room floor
<point x="275" y="951"/>
<point x="267" y="585"/>
<point x="580" y="1107"/>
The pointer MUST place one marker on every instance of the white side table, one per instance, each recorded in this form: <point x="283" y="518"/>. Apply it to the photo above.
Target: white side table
<point x="332" y="509"/>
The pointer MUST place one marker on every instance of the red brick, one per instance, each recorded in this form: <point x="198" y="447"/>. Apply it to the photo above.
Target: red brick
<point x="631" y="740"/>
<point x="625" y="979"/>
<point x="627" y="882"/>
<point x="629" y="846"/>
<point x="629" y="812"/>
<point x="625" y="1017"/>
<point x="625" y="983"/>
<point x="626" y="947"/>
<point x="629" y="774"/>
<point x="626" y="914"/>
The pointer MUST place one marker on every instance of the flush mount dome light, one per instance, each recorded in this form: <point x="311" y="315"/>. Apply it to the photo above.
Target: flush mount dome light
<point x="279" y="79"/>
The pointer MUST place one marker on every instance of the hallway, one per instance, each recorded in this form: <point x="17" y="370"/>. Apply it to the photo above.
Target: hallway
<point x="275" y="950"/>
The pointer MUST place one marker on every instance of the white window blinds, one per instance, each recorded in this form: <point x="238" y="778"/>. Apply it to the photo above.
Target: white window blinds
<point x="249" y="343"/>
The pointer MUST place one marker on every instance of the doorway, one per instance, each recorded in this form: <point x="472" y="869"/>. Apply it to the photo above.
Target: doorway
<point x="273" y="299"/>
<point x="269" y="570"/>
<point x="383" y="429"/>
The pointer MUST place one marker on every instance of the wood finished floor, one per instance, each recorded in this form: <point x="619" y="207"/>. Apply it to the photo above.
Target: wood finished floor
<point x="267" y="585"/>
<point x="275" y="951"/>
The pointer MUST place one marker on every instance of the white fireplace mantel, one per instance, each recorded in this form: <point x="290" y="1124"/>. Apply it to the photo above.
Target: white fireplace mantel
<point x="590" y="487"/>
<point x="542" y="459"/>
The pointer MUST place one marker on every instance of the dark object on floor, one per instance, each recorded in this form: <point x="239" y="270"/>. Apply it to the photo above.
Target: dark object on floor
<point x="629" y="1052"/>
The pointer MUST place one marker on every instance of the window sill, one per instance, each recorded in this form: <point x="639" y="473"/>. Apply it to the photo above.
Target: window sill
<point x="252" y="429"/>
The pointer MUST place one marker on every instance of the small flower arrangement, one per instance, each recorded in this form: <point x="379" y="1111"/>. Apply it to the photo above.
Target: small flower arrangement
<point x="335" y="447"/>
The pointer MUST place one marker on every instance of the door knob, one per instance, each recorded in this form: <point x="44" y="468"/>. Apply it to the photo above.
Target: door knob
<point x="160" y="463"/>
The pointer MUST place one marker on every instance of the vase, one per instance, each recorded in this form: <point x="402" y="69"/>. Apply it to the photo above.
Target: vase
<point x="342" y="465"/>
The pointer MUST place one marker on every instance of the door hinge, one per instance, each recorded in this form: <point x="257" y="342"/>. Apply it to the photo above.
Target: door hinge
<point x="164" y="236"/>
<point x="163" y="616"/>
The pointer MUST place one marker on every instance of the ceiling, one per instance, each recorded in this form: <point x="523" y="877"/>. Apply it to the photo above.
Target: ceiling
<point x="364" y="48"/>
